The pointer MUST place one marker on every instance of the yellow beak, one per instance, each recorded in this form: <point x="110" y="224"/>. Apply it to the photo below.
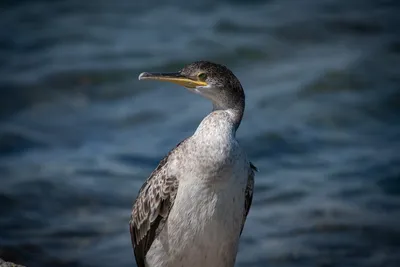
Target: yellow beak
<point x="177" y="78"/>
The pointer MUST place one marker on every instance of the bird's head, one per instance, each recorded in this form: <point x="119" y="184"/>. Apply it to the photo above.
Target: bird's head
<point x="213" y="81"/>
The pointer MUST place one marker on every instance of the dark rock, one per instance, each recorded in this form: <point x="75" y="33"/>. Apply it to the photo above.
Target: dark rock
<point x="8" y="264"/>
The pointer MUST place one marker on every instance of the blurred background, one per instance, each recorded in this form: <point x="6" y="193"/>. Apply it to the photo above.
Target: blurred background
<point x="79" y="134"/>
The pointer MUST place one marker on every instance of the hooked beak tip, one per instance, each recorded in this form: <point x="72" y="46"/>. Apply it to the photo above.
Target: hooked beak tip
<point x="143" y="75"/>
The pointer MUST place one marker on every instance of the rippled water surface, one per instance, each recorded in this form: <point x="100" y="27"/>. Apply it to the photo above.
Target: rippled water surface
<point x="79" y="134"/>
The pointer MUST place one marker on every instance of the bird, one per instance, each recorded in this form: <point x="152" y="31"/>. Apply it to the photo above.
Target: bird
<point x="191" y="210"/>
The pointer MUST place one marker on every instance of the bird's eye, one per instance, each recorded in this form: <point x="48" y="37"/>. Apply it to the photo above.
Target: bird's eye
<point x="202" y="76"/>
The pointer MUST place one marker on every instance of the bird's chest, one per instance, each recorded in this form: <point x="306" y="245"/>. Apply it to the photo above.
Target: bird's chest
<point x="217" y="160"/>
<point x="210" y="207"/>
<point x="204" y="225"/>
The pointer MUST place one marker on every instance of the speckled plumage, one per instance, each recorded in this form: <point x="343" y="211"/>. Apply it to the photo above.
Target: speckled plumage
<point x="192" y="209"/>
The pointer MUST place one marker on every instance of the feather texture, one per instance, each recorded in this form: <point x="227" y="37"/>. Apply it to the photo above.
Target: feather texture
<point x="151" y="208"/>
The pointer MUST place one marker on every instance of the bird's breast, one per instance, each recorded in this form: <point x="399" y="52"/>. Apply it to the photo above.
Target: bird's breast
<point x="212" y="159"/>
<point x="203" y="227"/>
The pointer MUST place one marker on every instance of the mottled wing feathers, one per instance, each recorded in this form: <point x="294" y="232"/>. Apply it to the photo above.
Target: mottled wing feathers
<point x="151" y="209"/>
<point x="248" y="193"/>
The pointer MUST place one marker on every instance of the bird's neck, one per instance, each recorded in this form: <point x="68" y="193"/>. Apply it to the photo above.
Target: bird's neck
<point x="220" y="123"/>
<point x="234" y="112"/>
<point x="212" y="147"/>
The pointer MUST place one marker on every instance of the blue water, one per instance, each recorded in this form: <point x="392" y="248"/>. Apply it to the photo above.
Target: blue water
<point x="79" y="133"/>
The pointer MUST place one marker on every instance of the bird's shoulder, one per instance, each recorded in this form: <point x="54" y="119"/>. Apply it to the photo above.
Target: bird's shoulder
<point x="152" y="206"/>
